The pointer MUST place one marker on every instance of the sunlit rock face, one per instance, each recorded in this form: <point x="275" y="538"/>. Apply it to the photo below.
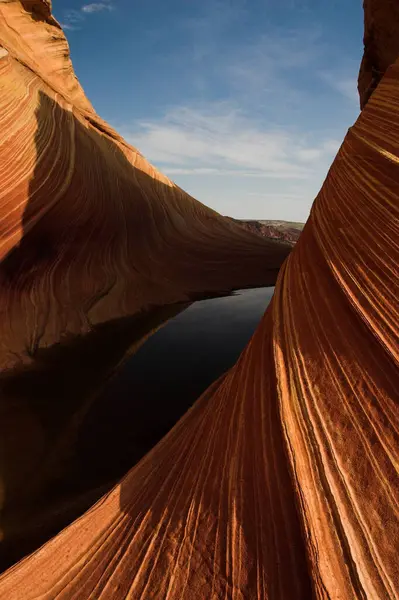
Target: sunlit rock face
<point x="95" y="245"/>
<point x="381" y="44"/>
<point x="281" y="482"/>
<point x="89" y="229"/>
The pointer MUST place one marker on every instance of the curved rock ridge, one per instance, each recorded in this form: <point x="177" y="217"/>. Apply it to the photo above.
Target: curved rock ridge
<point x="89" y="230"/>
<point x="33" y="37"/>
<point x="95" y="243"/>
<point x="281" y="482"/>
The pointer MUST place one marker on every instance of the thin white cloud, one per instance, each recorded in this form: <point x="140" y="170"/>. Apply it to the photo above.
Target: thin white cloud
<point x="221" y="140"/>
<point x="348" y="88"/>
<point x="96" y="7"/>
<point x="73" y="19"/>
<point x="265" y="148"/>
<point x="344" y="85"/>
<point x="68" y="27"/>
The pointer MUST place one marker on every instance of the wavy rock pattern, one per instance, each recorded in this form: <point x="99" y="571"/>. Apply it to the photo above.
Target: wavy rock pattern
<point x="133" y="238"/>
<point x="90" y="234"/>
<point x="281" y="482"/>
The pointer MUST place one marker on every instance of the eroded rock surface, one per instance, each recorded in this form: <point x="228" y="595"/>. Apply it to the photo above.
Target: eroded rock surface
<point x="95" y="245"/>
<point x="89" y="229"/>
<point x="281" y="482"/>
<point x="277" y="230"/>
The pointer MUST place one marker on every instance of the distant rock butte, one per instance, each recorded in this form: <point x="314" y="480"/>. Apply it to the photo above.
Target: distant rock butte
<point x="278" y="230"/>
<point x="281" y="482"/>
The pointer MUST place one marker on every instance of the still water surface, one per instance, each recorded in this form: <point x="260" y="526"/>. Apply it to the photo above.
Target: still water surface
<point x="137" y="407"/>
<point x="156" y="386"/>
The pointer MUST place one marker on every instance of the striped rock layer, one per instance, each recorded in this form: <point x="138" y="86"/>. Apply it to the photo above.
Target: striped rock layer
<point x="281" y="482"/>
<point x="89" y="230"/>
<point x="90" y="234"/>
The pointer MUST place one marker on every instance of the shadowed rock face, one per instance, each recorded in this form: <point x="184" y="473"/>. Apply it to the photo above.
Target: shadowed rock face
<point x="281" y="482"/>
<point x="381" y="44"/>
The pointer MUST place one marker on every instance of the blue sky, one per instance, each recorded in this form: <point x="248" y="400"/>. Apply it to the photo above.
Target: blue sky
<point x="243" y="103"/>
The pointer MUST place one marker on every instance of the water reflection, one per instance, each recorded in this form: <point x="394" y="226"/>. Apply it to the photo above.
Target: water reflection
<point x="161" y="381"/>
<point x="134" y="410"/>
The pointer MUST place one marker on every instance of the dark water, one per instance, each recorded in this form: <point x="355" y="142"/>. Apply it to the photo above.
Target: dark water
<point x="163" y="379"/>
<point x="134" y="410"/>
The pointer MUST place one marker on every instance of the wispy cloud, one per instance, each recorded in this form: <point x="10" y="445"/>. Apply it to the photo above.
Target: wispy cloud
<point x="250" y="135"/>
<point x="73" y="19"/>
<point x="97" y="7"/>
<point x="221" y="140"/>
<point x="238" y="136"/>
<point x="345" y="85"/>
<point x="246" y="114"/>
<point x="68" y="27"/>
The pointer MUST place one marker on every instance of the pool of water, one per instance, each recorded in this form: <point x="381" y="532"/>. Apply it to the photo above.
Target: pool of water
<point x="156" y="386"/>
<point x="134" y="410"/>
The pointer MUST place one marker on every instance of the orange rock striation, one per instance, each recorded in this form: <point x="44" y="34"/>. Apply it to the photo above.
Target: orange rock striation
<point x="89" y="229"/>
<point x="94" y="243"/>
<point x="281" y="482"/>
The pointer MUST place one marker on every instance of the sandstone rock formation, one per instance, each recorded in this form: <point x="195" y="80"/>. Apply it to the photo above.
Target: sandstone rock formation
<point x="281" y="482"/>
<point x="381" y="44"/>
<point x="86" y="220"/>
<point x="277" y="230"/>
<point x="94" y="245"/>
